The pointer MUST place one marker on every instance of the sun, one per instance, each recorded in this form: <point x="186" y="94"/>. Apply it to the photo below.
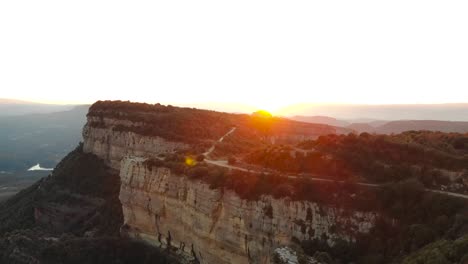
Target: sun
<point x="262" y="114"/>
<point x="272" y="107"/>
<point x="272" y="104"/>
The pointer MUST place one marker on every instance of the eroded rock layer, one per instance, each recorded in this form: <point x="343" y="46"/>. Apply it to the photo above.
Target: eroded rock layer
<point x="216" y="225"/>
<point x="112" y="145"/>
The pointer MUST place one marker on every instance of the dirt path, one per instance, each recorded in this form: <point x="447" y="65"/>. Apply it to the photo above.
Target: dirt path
<point x="224" y="163"/>
<point x="219" y="140"/>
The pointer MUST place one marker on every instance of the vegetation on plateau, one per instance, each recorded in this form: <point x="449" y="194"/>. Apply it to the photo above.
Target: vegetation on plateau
<point x="426" y="156"/>
<point x="410" y="217"/>
<point x="192" y="125"/>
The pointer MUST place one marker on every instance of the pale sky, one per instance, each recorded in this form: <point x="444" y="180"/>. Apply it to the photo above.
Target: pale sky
<point x="267" y="54"/>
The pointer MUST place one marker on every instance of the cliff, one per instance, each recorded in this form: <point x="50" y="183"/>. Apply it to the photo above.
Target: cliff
<point x="113" y="145"/>
<point x="216" y="225"/>
<point x="165" y="208"/>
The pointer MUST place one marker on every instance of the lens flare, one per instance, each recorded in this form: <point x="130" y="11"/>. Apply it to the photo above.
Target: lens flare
<point x="190" y="161"/>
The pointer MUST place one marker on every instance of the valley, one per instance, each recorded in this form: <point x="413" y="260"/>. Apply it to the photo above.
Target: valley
<point x="44" y="138"/>
<point x="11" y="183"/>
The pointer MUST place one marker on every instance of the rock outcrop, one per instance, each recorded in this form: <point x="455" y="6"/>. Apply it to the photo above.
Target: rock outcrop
<point x="112" y="145"/>
<point x="211" y="225"/>
<point x="216" y="225"/>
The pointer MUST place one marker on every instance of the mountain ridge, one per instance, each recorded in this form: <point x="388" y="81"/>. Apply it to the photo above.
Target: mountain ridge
<point x="390" y="126"/>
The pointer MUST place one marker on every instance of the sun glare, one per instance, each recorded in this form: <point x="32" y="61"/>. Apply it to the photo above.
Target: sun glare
<point x="262" y="114"/>
<point x="272" y="106"/>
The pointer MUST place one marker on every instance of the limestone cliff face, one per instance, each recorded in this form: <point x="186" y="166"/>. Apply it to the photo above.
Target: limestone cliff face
<point x="212" y="225"/>
<point x="216" y="225"/>
<point x="112" y="145"/>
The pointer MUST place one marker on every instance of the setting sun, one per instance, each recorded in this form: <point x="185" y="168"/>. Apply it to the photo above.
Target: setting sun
<point x="273" y="106"/>
<point x="262" y="114"/>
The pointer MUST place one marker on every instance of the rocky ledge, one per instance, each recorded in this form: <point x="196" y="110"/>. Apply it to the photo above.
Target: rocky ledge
<point x="216" y="225"/>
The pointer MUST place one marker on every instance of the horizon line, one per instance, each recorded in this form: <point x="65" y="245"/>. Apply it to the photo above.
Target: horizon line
<point x="65" y="102"/>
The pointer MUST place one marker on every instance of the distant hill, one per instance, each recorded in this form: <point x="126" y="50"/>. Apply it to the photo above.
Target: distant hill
<point x="431" y="125"/>
<point x="26" y="140"/>
<point x="362" y="127"/>
<point x="12" y="107"/>
<point x="321" y="120"/>
<point x="400" y="126"/>
<point x="13" y="101"/>
<point x="447" y="112"/>
<point x="388" y="127"/>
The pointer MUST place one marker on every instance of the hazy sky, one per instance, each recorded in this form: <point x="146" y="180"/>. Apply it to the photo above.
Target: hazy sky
<point x="267" y="54"/>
